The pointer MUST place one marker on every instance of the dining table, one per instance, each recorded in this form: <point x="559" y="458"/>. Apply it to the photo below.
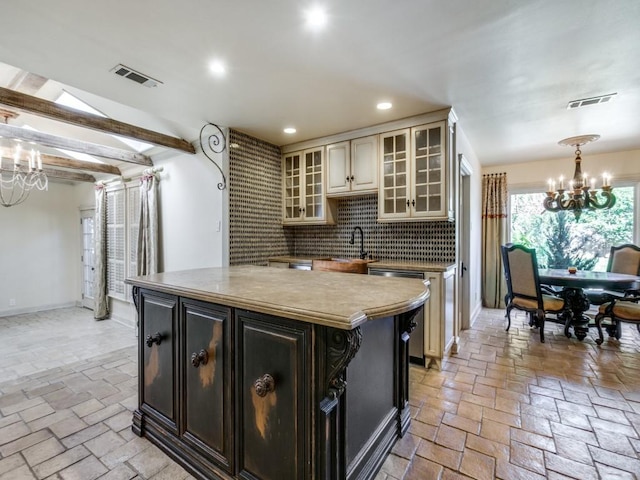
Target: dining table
<point x="573" y="285"/>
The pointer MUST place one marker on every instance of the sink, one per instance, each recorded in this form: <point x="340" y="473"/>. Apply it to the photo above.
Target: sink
<point x="344" y="265"/>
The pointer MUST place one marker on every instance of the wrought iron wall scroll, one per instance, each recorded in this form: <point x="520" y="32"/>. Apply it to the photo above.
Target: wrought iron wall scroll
<point x="212" y="136"/>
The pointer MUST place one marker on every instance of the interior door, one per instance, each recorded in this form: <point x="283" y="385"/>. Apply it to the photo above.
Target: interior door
<point x="88" y="257"/>
<point x="464" y="227"/>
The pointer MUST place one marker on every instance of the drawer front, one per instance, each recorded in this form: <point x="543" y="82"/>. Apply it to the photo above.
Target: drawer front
<point x="208" y="419"/>
<point x="158" y="389"/>
<point x="274" y="392"/>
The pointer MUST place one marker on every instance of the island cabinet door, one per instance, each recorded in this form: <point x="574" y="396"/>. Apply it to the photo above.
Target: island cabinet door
<point x="158" y="358"/>
<point x="205" y="360"/>
<point x="274" y="365"/>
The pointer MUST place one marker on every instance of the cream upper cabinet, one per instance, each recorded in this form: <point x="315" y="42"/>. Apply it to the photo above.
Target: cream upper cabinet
<point x="352" y="166"/>
<point x="338" y="168"/>
<point x="414" y="174"/>
<point x="303" y="195"/>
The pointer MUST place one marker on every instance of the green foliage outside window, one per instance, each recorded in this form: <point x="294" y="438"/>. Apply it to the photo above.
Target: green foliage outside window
<point x="561" y="241"/>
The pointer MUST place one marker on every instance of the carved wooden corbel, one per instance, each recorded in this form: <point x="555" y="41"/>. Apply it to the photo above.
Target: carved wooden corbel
<point x="342" y="347"/>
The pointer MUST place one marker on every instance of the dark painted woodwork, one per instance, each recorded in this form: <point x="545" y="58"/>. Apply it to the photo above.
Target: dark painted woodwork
<point x="274" y="408"/>
<point x="252" y="396"/>
<point x="157" y="356"/>
<point x="205" y="369"/>
<point x="370" y="377"/>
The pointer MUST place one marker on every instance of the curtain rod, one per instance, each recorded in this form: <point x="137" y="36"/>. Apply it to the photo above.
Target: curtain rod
<point x="147" y="171"/>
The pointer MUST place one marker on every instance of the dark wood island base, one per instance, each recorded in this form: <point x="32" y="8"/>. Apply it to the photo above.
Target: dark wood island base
<point x="232" y="393"/>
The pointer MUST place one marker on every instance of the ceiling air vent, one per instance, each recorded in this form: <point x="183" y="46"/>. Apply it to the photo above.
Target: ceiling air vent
<point x="137" y="77"/>
<point x="583" y="102"/>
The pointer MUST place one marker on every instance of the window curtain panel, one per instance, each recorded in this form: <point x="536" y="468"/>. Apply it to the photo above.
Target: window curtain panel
<point x="101" y="305"/>
<point x="494" y="234"/>
<point x="147" y="260"/>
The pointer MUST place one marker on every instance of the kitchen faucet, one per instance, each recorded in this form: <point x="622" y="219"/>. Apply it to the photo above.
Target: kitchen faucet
<point x="363" y="254"/>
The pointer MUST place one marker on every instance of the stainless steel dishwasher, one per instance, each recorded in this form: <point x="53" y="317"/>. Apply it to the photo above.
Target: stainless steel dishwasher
<point x="416" y="341"/>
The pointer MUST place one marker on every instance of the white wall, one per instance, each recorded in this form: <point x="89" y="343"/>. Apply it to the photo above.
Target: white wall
<point x="193" y="227"/>
<point x="40" y="251"/>
<point x="40" y="240"/>
<point x="475" y="230"/>
<point x="624" y="166"/>
<point x="192" y="214"/>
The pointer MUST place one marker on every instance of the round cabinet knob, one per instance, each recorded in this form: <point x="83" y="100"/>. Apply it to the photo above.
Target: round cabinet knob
<point x="151" y="339"/>
<point x="200" y="358"/>
<point x="264" y="385"/>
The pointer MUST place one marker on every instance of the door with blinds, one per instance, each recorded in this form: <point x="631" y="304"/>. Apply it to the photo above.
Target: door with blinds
<point x="88" y="256"/>
<point x="123" y="214"/>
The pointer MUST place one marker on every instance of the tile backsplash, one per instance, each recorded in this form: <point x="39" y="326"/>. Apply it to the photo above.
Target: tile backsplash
<point x="255" y="224"/>
<point x="405" y="241"/>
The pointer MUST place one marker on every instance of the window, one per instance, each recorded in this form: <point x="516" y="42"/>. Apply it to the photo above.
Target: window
<point x="562" y="241"/>
<point x="122" y="238"/>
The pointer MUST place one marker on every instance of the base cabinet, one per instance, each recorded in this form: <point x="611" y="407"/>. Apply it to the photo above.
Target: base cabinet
<point x="439" y="316"/>
<point x="157" y="359"/>
<point x="273" y="403"/>
<point x="205" y="371"/>
<point x="235" y="394"/>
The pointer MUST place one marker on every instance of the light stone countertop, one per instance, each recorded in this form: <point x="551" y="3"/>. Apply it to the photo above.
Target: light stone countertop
<point x="385" y="264"/>
<point x="339" y="300"/>
<point x="412" y="266"/>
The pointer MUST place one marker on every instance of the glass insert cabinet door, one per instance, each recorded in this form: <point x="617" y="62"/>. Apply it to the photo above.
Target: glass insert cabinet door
<point x="292" y="186"/>
<point x="428" y="170"/>
<point x="413" y="172"/>
<point x="313" y="204"/>
<point x="394" y="189"/>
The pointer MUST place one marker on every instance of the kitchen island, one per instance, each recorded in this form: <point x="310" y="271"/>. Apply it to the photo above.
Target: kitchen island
<point x="262" y="373"/>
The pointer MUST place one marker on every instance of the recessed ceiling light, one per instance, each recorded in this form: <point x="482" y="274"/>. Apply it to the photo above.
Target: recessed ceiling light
<point x="316" y="17"/>
<point x="217" y="68"/>
<point x="289" y="130"/>
<point x="384" y="105"/>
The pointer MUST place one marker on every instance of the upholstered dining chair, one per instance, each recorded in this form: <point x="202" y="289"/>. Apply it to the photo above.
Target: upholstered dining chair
<point x="618" y="310"/>
<point x="523" y="287"/>
<point x="622" y="259"/>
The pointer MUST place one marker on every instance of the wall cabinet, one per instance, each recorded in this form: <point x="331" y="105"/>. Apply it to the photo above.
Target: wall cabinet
<point x="416" y="178"/>
<point x="303" y="188"/>
<point x="352" y="166"/>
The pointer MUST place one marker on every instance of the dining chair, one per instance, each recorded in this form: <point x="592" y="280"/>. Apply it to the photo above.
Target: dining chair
<point x="523" y="287"/>
<point x="618" y="310"/>
<point x="622" y="259"/>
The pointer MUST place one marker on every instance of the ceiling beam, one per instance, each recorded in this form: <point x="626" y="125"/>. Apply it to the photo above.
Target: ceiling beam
<point x="54" y="141"/>
<point x="46" y="108"/>
<point x="72" y="176"/>
<point x="53" y="161"/>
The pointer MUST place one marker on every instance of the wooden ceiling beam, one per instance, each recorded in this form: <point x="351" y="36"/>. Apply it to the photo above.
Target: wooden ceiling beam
<point x="10" y="131"/>
<point x="52" y="110"/>
<point x="54" y="161"/>
<point x="71" y="176"/>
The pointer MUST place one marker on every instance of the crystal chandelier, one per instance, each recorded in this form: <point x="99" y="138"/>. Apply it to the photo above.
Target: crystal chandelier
<point x="16" y="180"/>
<point x="581" y="193"/>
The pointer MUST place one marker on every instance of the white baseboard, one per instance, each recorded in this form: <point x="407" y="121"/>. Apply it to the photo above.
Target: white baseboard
<point x="39" y="308"/>
<point x="475" y="313"/>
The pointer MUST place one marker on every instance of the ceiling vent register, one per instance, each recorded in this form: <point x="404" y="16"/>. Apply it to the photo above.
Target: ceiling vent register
<point x="135" y="76"/>
<point x="584" y="102"/>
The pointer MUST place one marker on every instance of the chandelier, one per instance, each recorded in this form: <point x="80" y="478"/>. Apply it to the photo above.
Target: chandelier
<point x="16" y="179"/>
<point x="580" y="192"/>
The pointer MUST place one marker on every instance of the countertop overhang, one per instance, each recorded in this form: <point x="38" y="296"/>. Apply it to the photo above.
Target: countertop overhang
<point x="338" y="300"/>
